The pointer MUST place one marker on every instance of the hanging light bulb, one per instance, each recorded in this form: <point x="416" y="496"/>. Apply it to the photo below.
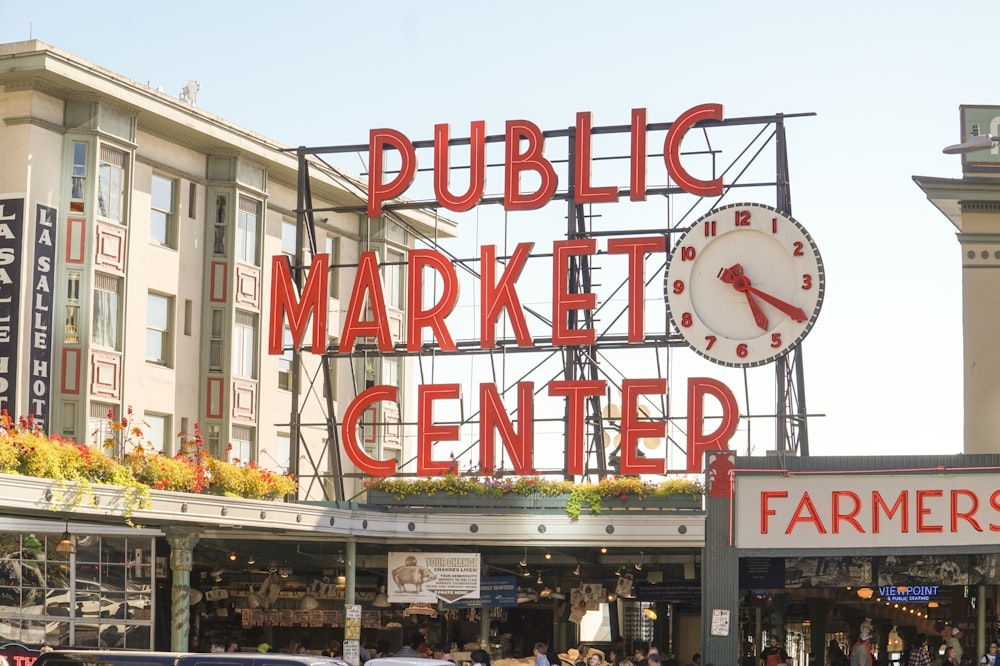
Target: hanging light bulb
<point x="548" y="556"/>
<point x="232" y="556"/>
<point x="539" y="581"/>
<point x="524" y="560"/>
<point x="576" y="571"/>
<point x="66" y="545"/>
<point x="251" y="560"/>
<point x="381" y="600"/>
<point x="638" y="565"/>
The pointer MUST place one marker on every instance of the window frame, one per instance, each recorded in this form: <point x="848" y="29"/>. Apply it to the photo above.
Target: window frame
<point x="169" y="214"/>
<point x="112" y="190"/>
<point x="166" y="333"/>
<point x="247" y="242"/>
<point x="244" y="345"/>
<point x="101" y="281"/>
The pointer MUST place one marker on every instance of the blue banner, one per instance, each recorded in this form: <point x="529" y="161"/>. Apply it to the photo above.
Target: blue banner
<point x="494" y="591"/>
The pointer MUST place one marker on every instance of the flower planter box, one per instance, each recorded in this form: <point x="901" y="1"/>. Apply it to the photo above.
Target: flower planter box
<point x="521" y="502"/>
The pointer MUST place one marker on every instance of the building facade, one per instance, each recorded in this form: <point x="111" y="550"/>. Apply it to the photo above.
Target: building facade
<point x="138" y="235"/>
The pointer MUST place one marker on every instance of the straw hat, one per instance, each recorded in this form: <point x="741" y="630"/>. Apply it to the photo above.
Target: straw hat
<point x="570" y="657"/>
<point x="592" y="651"/>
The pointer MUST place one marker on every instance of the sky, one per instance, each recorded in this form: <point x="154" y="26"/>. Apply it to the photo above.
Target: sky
<point x="883" y="364"/>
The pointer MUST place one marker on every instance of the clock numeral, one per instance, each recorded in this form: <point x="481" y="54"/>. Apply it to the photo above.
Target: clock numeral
<point x="687" y="253"/>
<point x="686" y="320"/>
<point x="743" y="218"/>
<point x="798" y="249"/>
<point x="742" y="350"/>
<point x="678" y="286"/>
<point x="774" y="225"/>
<point x="775" y="340"/>
<point x="709" y="228"/>
<point x="711" y="341"/>
<point x="807" y="281"/>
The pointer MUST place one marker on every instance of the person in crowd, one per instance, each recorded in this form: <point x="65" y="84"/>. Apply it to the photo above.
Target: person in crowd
<point x="541" y="654"/>
<point x="381" y="649"/>
<point x="918" y="652"/>
<point x="695" y="660"/>
<point x="639" y="655"/>
<point x="233" y="647"/>
<point x="955" y="641"/>
<point x="775" y="655"/>
<point x="410" y="649"/>
<point x="595" y="657"/>
<point x="480" y="658"/>
<point x="364" y="654"/>
<point x="948" y="658"/>
<point x="653" y="659"/>
<point x="835" y="654"/>
<point x="989" y="658"/>
<point x="332" y="649"/>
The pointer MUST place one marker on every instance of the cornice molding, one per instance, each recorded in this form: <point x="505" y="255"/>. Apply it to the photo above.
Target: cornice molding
<point x="37" y="122"/>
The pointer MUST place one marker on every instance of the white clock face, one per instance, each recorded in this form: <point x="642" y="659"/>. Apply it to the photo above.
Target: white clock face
<point x="744" y="284"/>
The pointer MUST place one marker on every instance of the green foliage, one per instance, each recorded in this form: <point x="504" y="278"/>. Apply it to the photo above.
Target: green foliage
<point x="577" y="494"/>
<point x="25" y="450"/>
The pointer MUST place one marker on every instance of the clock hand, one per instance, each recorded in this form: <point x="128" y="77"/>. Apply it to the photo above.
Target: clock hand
<point x="734" y="276"/>
<point x="796" y="314"/>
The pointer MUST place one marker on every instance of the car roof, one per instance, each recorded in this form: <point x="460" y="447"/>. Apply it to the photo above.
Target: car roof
<point x="407" y="661"/>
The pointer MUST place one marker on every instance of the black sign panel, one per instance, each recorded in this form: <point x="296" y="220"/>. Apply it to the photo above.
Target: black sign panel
<point x="42" y="282"/>
<point x="11" y="230"/>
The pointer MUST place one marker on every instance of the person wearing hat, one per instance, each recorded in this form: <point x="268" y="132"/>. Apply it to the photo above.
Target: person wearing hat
<point x="569" y="657"/>
<point x="595" y="657"/>
<point x="861" y="652"/>
<point x="955" y="641"/>
<point x="263" y="648"/>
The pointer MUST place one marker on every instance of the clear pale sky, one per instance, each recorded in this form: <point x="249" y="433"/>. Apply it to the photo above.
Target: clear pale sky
<point x="883" y="363"/>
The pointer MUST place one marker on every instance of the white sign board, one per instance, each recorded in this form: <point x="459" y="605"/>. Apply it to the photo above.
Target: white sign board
<point x="866" y="510"/>
<point x="428" y="577"/>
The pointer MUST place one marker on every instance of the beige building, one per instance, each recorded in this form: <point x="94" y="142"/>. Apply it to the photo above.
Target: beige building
<point x="136" y="243"/>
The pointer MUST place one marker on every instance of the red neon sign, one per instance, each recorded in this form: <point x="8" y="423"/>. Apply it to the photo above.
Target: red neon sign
<point x="525" y="152"/>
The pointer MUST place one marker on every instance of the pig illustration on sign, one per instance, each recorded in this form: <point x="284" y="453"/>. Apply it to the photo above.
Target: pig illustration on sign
<point x="411" y="574"/>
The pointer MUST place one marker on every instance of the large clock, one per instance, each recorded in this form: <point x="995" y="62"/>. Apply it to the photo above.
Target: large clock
<point x="744" y="284"/>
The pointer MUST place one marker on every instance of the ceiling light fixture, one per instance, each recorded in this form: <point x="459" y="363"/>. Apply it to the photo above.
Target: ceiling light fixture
<point x="381" y="599"/>
<point x="649" y="612"/>
<point x="524" y="560"/>
<point x="548" y="556"/>
<point x="576" y="572"/>
<point x="232" y="556"/>
<point x="638" y="565"/>
<point x="865" y="592"/>
<point x="251" y="560"/>
<point x="539" y="581"/>
<point x="604" y="550"/>
<point x="66" y="545"/>
<point x="308" y="602"/>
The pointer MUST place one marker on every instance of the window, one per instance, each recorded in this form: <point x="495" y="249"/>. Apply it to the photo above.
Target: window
<point x="333" y="251"/>
<point x="244" y="337"/>
<point x="288" y="238"/>
<point x="241" y="448"/>
<point x="215" y="342"/>
<point x="393" y="277"/>
<point x="277" y="461"/>
<point x="390" y="371"/>
<point x="331" y="364"/>
<point x="213" y="438"/>
<point x="158" y="432"/>
<point x="246" y="231"/>
<point x="78" y="190"/>
<point x="159" y="313"/>
<point x="100" y="433"/>
<point x="162" y="215"/>
<point x="219" y="228"/>
<point x="105" y="328"/>
<point x="285" y="360"/>
<point x="71" y="330"/>
<point x="111" y="184"/>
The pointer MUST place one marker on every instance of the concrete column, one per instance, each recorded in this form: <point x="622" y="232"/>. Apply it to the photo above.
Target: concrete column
<point x="182" y="542"/>
<point x="720" y="590"/>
